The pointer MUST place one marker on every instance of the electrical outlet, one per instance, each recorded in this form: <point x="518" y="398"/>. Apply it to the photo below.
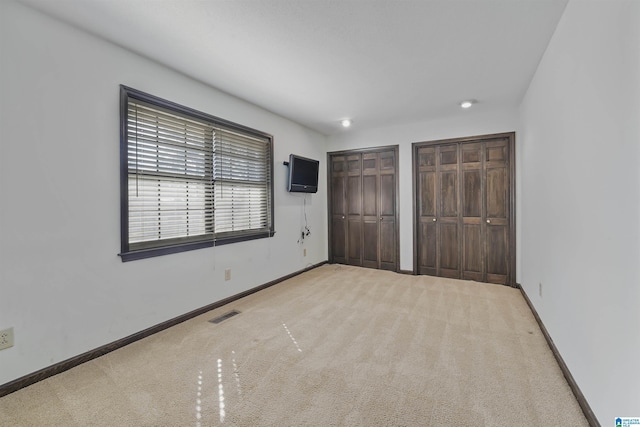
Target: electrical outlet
<point x="305" y="252"/>
<point x="540" y="288"/>
<point x="227" y="274"/>
<point x="6" y="338"/>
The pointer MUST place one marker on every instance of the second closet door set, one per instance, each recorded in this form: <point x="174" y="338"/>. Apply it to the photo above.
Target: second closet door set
<point x="464" y="208"/>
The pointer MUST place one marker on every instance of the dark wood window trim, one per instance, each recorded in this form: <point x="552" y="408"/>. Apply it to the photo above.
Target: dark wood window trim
<point x="131" y="252"/>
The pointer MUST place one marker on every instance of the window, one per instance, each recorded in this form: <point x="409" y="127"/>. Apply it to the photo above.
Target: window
<point x="189" y="180"/>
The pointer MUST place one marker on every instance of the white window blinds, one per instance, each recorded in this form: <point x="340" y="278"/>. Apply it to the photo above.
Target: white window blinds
<point x="191" y="178"/>
<point x="242" y="183"/>
<point x="170" y="175"/>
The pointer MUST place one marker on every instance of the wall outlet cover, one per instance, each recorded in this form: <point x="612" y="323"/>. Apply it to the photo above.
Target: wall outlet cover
<point x="6" y="338"/>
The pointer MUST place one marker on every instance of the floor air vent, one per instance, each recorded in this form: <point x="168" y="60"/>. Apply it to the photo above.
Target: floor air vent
<point x="224" y="316"/>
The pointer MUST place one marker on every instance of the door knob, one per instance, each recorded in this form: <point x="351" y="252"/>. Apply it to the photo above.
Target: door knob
<point x="488" y="221"/>
<point x="434" y="220"/>
<point x="381" y="218"/>
<point x="342" y="216"/>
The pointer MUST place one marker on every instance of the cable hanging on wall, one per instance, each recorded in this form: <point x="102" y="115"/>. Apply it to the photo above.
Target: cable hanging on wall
<point x="305" y="231"/>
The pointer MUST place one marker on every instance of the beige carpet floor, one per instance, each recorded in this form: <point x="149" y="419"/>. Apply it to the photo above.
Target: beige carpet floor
<point x="336" y="346"/>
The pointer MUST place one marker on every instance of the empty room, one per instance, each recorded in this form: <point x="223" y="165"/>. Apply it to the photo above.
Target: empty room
<point x="319" y="213"/>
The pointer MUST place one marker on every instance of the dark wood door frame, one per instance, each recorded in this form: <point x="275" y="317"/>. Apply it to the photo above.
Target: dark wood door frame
<point x="396" y="150"/>
<point x="512" y="193"/>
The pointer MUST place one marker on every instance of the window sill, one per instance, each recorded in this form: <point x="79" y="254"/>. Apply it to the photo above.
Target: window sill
<point x="166" y="250"/>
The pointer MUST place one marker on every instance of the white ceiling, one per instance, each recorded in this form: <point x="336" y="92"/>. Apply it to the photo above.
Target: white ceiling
<point x="379" y="62"/>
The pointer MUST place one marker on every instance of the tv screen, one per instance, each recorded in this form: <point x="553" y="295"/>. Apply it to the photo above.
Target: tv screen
<point x="303" y="174"/>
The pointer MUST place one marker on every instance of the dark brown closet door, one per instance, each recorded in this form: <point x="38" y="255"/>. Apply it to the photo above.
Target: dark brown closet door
<point x="448" y="224"/>
<point x="368" y="234"/>
<point x="379" y="210"/>
<point x="354" y="209"/>
<point x="427" y="196"/>
<point x="438" y="211"/>
<point x="387" y="211"/>
<point x="497" y="202"/>
<point x="473" y="242"/>
<point x="370" y="201"/>
<point x="338" y="185"/>
<point x="464" y="208"/>
<point x="485" y="210"/>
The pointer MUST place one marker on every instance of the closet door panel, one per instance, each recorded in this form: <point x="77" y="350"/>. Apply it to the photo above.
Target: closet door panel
<point x="497" y="254"/>
<point x="449" y="265"/>
<point x="426" y="193"/>
<point x="471" y="193"/>
<point x="447" y="178"/>
<point x="448" y="155"/>
<point x="370" y="163"/>
<point x="449" y="194"/>
<point x="472" y="212"/>
<point x="354" y="164"/>
<point x="448" y="242"/>
<point x="338" y="241"/>
<point x="370" y="248"/>
<point x="497" y="150"/>
<point x="355" y="242"/>
<point x="337" y="195"/>
<point x="473" y="251"/>
<point x="387" y="211"/>
<point x="496" y="184"/>
<point x="497" y="206"/>
<point x="427" y="259"/>
<point x="354" y="212"/>
<point x="338" y="209"/>
<point x="388" y="249"/>
<point x="388" y="196"/>
<point x="353" y="201"/>
<point x="370" y="195"/>
<point x="370" y="200"/>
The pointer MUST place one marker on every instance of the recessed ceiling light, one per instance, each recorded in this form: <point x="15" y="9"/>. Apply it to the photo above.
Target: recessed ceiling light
<point x="346" y="123"/>
<point x="468" y="103"/>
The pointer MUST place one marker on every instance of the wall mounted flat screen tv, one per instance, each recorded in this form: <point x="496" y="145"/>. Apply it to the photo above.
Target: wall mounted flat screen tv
<point x="303" y="174"/>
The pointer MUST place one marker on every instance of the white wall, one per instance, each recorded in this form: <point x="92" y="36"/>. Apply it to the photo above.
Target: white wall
<point x="580" y="142"/>
<point x="62" y="286"/>
<point x="465" y="123"/>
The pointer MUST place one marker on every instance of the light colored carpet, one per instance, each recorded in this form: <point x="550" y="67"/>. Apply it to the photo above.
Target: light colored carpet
<point x="336" y="346"/>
